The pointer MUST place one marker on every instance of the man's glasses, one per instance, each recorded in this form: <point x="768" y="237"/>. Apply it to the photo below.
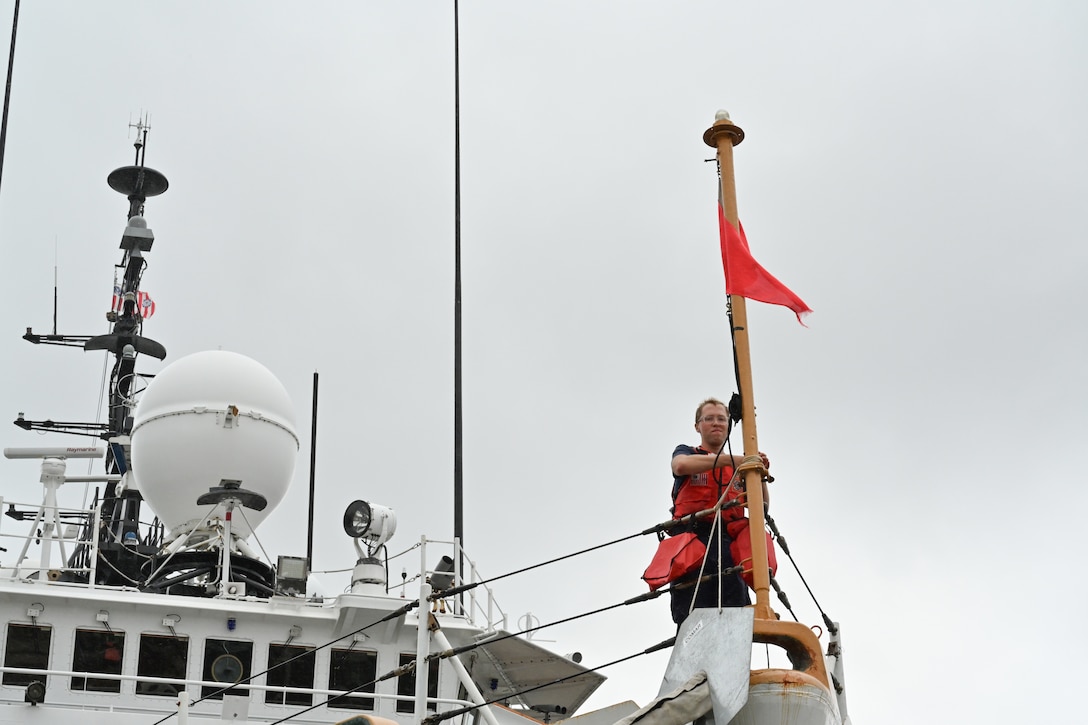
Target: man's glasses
<point x="715" y="419"/>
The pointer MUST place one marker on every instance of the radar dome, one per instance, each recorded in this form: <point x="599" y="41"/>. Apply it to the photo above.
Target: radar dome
<point x="208" y="418"/>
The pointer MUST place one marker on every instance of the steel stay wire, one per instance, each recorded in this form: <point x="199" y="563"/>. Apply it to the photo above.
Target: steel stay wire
<point x="439" y="717"/>
<point x="664" y="526"/>
<point x="391" y="615"/>
<point x="657" y="528"/>
<point x="831" y="627"/>
<point x="648" y="596"/>
<point x="409" y="667"/>
<point x="404" y="669"/>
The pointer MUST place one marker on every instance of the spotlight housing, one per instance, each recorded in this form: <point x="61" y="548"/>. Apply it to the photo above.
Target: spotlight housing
<point x="373" y="523"/>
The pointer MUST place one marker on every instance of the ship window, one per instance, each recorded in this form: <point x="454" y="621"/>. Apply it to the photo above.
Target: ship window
<point x="161" y="655"/>
<point x="27" y="646"/>
<point x="226" y="661"/>
<point x="350" y="669"/>
<point x="406" y="684"/>
<point x="98" y="650"/>
<point x="294" y="673"/>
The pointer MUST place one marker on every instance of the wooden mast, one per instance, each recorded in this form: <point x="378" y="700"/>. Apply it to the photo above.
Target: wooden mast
<point x="800" y="643"/>
<point x="723" y="136"/>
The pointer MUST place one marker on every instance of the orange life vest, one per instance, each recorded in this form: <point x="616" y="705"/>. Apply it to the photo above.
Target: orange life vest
<point x="701" y="491"/>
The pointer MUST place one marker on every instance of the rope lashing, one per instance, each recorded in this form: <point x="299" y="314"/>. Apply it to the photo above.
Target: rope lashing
<point x="753" y="463"/>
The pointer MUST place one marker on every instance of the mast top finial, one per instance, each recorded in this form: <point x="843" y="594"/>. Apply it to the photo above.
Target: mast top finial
<point x="723" y="126"/>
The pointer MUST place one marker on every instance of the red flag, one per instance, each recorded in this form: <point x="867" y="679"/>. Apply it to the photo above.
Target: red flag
<point x="745" y="277"/>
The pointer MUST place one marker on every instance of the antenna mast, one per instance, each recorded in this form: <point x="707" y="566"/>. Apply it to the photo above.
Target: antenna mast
<point x="458" y="489"/>
<point x="7" y="88"/>
<point x="120" y="509"/>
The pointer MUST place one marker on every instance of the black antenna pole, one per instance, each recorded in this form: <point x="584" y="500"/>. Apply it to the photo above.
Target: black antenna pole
<point x="313" y="478"/>
<point x="55" y="286"/>
<point x="458" y="489"/>
<point x="7" y="89"/>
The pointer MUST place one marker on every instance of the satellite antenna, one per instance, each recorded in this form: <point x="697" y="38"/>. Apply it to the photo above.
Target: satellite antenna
<point x="231" y="494"/>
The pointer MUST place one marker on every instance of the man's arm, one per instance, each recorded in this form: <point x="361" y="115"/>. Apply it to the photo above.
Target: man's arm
<point x="689" y="465"/>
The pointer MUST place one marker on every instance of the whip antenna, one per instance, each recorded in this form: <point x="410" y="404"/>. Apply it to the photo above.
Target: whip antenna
<point x="7" y="90"/>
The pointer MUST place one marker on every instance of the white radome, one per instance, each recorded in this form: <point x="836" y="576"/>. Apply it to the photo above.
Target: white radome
<point x="209" y="417"/>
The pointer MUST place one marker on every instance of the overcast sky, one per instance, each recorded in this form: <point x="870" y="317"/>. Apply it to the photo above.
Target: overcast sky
<point x="914" y="171"/>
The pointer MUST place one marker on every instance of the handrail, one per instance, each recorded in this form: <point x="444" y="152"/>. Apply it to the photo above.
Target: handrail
<point x="480" y="610"/>
<point x="486" y="613"/>
<point x="16" y="571"/>
<point x="211" y="683"/>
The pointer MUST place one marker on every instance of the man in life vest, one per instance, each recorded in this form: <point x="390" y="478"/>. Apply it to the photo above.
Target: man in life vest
<point x="701" y="474"/>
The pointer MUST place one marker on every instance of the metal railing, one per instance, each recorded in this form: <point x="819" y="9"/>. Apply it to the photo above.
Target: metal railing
<point x="481" y="608"/>
<point x="478" y="605"/>
<point x="187" y="683"/>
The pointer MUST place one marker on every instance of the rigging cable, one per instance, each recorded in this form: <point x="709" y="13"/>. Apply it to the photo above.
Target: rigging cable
<point x="729" y="297"/>
<point x="98" y="413"/>
<point x="392" y="615"/>
<point x="405" y="669"/>
<point x="664" y="526"/>
<point x="648" y="596"/>
<point x="439" y="717"/>
<point x="718" y="476"/>
<point x="786" y="550"/>
<point x="465" y="648"/>
<point x="445" y="654"/>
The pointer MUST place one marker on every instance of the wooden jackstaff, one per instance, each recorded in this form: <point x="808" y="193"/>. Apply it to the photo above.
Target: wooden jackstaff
<point x="723" y="136"/>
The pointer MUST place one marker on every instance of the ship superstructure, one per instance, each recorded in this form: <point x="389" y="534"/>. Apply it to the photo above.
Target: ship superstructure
<point x="155" y="603"/>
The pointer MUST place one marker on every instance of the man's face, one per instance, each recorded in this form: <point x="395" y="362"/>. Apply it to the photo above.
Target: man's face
<point x="713" y="425"/>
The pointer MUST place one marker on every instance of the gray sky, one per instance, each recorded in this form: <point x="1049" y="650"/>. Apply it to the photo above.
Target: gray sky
<point x="911" y="170"/>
